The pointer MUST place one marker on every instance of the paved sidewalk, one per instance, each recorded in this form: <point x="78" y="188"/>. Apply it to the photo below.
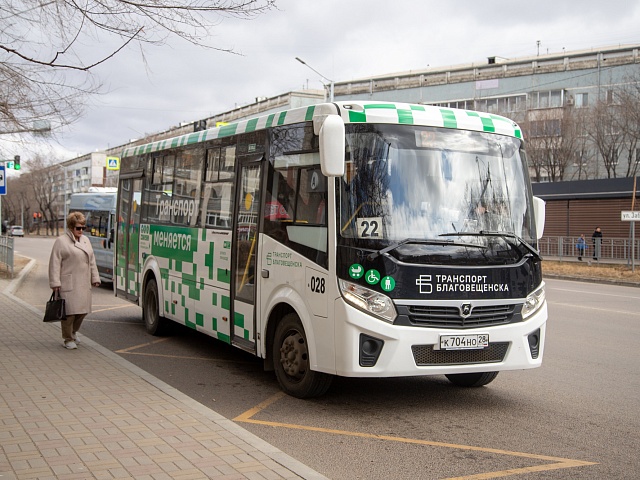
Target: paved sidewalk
<point x="87" y="413"/>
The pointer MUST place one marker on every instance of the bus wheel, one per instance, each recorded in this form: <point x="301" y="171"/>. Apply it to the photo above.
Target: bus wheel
<point x="153" y="322"/>
<point x="472" y="379"/>
<point x="291" y="361"/>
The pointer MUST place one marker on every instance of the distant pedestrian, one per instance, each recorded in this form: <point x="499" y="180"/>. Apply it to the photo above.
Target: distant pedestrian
<point x="596" y="237"/>
<point x="581" y="246"/>
<point x="72" y="273"/>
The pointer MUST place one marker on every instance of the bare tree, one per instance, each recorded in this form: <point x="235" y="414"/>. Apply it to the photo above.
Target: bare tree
<point x="42" y="174"/>
<point x="16" y="207"/>
<point x="629" y="108"/>
<point x="552" y="136"/>
<point x="48" y="48"/>
<point x="606" y="133"/>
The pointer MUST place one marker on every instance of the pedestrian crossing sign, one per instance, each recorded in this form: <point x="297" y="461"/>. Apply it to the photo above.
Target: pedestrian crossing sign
<point x="113" y="163"/>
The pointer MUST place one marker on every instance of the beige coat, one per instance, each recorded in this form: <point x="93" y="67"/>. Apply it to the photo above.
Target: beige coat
<point x="72" y="267"/>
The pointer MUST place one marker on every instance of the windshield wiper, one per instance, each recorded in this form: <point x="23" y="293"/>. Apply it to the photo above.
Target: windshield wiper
<point x="504" y="235"/>
<point x="421" y="241"/>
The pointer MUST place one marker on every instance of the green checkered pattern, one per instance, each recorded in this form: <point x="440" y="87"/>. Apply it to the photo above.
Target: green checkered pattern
<point x="409" y="114"/>
<point x="275" y="119"/>
<point x="352" y="112"/>
<point x="194" y="276"/>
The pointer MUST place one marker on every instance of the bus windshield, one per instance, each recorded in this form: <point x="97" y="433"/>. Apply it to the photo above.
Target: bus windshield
<point x="434" y="185"/>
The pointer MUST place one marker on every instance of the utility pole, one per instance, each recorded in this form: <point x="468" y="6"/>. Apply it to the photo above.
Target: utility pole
<point x="321" y="76"/>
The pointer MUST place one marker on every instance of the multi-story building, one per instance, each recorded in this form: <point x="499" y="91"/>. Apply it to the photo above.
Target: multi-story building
<point x="541" y="92"/>
<point x="549" y="95"/>
<point x="84" y="172"/>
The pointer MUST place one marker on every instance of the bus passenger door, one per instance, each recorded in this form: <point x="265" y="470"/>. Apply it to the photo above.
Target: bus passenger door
<point x="127" y="261"/>
<point x="246" y="245"/>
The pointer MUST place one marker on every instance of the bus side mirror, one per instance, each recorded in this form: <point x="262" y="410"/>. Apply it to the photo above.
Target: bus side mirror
<point x="331" y="133"/>
<point x="539" y="215"/>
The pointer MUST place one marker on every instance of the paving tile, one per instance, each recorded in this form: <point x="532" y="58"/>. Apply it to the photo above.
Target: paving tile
<point x="110" y="423"/>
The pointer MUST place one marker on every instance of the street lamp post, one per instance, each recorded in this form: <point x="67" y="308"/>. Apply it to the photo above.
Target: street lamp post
<point x="321" y="76"/>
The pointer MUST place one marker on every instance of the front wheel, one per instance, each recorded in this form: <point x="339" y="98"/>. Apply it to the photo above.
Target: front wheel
<point x="153" y="322"/>
<point x="472" y="379"/>
<point x="291" y="361"/>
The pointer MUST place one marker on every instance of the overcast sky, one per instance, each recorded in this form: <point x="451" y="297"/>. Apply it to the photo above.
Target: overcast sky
<point x="342" y="39"/>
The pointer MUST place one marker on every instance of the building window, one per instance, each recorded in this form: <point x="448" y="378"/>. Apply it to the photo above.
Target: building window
<point x="546" y="99"/>
<point x="581" y="100"/>
<point x="545" y="128"/>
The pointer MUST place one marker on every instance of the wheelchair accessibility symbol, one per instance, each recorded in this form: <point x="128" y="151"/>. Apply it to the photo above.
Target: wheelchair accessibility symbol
<point x="372" y="277"/>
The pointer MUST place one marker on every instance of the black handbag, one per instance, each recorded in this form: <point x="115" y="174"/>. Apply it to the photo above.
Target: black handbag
<point x="55" y="310"/>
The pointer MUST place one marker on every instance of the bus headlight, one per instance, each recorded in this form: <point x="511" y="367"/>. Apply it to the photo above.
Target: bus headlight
<point x="371" y="302"/>
<point x="533" y="302"/>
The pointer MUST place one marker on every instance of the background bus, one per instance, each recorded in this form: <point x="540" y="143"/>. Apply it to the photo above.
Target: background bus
<point x="361" y="239"/>
<point x="99" y="208"/>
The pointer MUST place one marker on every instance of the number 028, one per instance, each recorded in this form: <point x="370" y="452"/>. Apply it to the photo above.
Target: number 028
<point x="317" y="284"/>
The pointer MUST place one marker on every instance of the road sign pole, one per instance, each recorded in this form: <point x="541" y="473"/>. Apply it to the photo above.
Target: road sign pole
<point x="3" y="190"/>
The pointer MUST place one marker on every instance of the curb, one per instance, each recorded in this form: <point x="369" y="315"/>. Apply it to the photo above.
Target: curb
<point x="275" y="454"/>
<point x="605" y="281"/>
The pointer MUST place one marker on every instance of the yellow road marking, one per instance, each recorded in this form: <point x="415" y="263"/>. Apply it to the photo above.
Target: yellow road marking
<point x="130" y="351"/>
<point x="184" y="357"/>
<point x="115" y="308"/>
<point x="121" y="322"/>
<point x="100" y="310"/>
<point x="142" y="345"/>
<point x="247" y="417"/>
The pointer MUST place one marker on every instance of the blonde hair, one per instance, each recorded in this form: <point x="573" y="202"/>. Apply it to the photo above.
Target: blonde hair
<point x="75" y="218"/>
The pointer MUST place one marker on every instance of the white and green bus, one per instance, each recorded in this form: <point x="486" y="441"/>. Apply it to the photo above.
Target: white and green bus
<point x="99" y="208"/>
<point x="357" y="239"/>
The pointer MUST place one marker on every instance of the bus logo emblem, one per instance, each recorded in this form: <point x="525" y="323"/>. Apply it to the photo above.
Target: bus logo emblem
<point x="424" y="282"/>
<point x="465" y="310"/>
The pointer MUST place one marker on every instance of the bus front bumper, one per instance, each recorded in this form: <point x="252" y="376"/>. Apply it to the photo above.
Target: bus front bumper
<point x="369" y="347"/>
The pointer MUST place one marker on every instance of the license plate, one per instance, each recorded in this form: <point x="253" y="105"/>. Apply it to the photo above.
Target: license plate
<point x="464" y="342"/>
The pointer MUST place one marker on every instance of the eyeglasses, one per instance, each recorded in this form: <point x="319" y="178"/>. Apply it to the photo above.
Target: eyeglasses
<point x="80" y="228"/>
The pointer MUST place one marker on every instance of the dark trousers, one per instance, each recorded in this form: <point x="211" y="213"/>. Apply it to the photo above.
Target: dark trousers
<point x="71" y="325"/>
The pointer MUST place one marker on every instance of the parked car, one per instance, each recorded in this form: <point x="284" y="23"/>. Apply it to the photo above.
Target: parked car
<point x="16" y="231"/>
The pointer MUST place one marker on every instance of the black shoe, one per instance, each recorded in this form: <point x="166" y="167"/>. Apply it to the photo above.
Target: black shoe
<point x="580" y="258"/>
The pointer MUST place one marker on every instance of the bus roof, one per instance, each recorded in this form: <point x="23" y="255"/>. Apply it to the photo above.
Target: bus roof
<point x="351" y="112"/>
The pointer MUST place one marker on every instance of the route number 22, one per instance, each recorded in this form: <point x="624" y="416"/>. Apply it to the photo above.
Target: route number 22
<point x="369" y="227"/>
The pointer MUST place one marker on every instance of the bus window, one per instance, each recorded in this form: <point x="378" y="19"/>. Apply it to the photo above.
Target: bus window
<point x="159" y="190"/>
<point x="186" y="189"/>
<point x="312" y="197"/>
<point x="217" y="204"/>
<point x="228" y="163"/>
<point x="97" y="223"/>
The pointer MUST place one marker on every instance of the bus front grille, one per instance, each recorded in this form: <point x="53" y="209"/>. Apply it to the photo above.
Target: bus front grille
<point x="449" y="317"/>
<point x="425" y="355"/>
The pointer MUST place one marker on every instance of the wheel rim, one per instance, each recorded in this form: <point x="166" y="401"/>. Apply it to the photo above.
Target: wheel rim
<point x="294" y="356"/>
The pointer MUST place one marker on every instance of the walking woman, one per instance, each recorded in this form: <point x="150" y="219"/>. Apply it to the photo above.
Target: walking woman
<point x="72" y="273"/>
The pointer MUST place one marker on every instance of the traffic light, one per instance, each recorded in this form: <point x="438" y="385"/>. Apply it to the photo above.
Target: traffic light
<point x="16" y="162"/>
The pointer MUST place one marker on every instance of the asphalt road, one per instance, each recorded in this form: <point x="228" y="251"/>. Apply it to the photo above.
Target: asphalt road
<point x="575" y="417"/>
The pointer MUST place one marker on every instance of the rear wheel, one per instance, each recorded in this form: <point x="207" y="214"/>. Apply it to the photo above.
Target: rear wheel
<point x="472" y="379"/>
<point x="291" y="361"/>
<point x="153" y="322"/>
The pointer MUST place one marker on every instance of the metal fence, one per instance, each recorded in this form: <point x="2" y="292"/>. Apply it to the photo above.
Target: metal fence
<point x="618" y="249"/>
<point x="7" y="253"/>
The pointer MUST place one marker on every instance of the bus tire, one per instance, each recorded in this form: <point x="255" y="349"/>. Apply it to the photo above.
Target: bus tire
<point x="472" y="379"/>
<point x="291" y="361"/>
<point x="153" y="322"/>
